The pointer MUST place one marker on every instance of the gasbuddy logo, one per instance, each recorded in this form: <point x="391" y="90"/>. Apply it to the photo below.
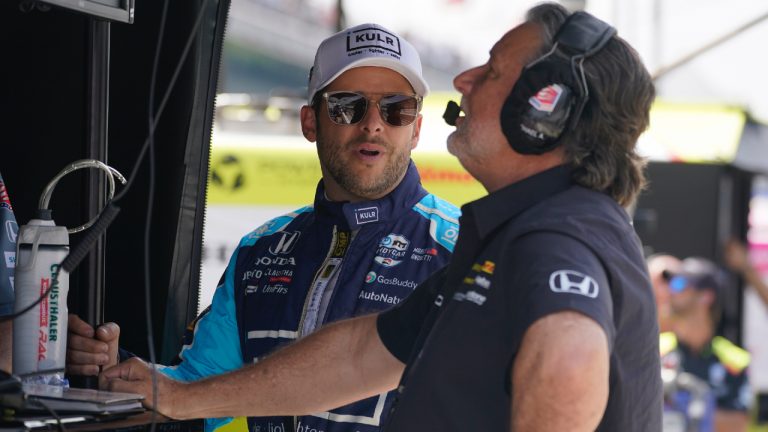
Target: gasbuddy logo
<point x="370" y="277"/>
<point x="393" y="281"/>
<point x="286" y="243"/>
<point x="373" y="38"/>
<point x="570" y="281"/>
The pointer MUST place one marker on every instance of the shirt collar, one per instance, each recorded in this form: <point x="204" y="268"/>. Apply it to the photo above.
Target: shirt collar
<point x="490" y="211"/>
<point x="384" y="209"/>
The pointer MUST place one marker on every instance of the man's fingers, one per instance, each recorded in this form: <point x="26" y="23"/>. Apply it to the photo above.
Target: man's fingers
<point x="108" y="332"/>
<point x="86" y="355"/>
<point x="82" y="358"/>
<point x="86" y="344"/>
<point x="86" y="370"/>
<point x="131" y="376"/>
<point x="131" y="370"/>
<point x="119" y="385"/>
<point x="79" y="327"/>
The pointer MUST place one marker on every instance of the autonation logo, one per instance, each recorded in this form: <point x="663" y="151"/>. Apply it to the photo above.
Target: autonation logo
<point x="380" y="297"/>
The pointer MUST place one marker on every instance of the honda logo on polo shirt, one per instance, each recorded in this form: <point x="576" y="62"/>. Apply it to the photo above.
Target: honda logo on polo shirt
<point x="569" y="281"/>
<point x="287" y="242"/>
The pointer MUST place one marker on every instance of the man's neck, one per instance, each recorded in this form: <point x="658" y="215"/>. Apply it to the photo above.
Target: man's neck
<point x="521" y="167"/>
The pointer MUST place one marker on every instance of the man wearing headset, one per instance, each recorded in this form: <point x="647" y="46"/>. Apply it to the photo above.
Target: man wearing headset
<point x="544" y="320"/>
<point x="372" y="235"/>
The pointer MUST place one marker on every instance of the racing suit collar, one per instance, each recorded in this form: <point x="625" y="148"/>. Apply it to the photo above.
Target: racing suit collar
<point x="391" y="206"/>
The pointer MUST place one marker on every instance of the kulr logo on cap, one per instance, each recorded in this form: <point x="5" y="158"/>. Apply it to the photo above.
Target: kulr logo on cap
<point x="372" y="38"/>
<point x="365" y="45"/>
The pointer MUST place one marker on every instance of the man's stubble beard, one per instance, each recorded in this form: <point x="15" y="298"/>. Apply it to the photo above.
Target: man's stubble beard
<point x="394" y="169"/>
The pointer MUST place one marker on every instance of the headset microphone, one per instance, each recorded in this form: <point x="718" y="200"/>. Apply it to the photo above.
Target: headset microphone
<point x="451" y="113"/>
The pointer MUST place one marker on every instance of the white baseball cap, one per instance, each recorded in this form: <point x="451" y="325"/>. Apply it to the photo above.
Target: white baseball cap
<point x="365" y="45"/>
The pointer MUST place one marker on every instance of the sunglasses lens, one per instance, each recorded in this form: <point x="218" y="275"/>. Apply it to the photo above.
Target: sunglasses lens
<point x="677" y="283"/>
<point x="399" y="110"/>
<point x="346" y="108"/>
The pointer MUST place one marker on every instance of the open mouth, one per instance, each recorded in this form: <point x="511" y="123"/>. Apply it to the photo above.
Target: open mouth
<point x="365" y="152"/>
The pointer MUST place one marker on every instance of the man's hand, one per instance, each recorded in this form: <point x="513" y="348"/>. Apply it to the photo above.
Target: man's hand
<point x="89" y="350"/>
<point x="135" y="376"/>
<point x="736" y="256"/>
<point x="6" y="345"/>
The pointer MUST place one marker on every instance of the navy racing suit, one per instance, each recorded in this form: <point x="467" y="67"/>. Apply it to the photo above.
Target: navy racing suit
<point x="319" y="264"/>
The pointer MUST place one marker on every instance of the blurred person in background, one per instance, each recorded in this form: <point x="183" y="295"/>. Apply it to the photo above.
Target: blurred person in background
<point x="692" y="347"/>
<point x="8" y="233"/>
<point x="661" y="267"/>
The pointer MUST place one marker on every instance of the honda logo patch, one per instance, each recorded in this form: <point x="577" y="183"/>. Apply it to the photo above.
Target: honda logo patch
<point x="569" y="281"/>
<point x="12" y="230"/>
<point x="287" y="242"/>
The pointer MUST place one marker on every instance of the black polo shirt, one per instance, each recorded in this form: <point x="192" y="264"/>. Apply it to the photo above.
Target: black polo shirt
<point x="536" y="247"/>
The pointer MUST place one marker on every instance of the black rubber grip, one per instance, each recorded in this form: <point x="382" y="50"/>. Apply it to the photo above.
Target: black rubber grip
<point x="78" y="253"/>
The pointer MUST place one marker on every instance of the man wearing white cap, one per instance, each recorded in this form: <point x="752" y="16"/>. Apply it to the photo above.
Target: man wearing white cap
<point x="371" y="236"/>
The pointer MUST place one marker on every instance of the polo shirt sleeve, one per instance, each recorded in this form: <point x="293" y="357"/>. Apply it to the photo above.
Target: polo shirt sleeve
<point x="399" y="327"/>
<point x="552" y="272"/>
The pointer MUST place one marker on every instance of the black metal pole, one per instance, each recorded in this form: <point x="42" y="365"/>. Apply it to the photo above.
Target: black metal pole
<point x="92" y="270"/>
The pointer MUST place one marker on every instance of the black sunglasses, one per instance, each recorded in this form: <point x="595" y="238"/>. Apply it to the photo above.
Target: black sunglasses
<point x="346" y="107"/>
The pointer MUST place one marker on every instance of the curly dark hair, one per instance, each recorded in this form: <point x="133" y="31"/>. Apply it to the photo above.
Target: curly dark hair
<point x="601" y="146"/>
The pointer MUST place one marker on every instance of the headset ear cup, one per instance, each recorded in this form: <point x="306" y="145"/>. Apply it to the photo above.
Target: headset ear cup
<point x="535" y="114"/>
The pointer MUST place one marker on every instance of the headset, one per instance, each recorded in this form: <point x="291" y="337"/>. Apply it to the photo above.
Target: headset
<point x="551" y="92"/>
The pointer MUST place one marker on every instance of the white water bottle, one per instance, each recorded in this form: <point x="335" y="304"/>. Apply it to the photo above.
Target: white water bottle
<point x="40" y="334"/>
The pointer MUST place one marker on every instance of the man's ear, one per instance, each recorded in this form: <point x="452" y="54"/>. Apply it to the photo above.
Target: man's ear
<point x="308" y="123"/>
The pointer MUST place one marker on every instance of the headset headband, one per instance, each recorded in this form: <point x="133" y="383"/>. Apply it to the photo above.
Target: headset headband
<point x="584" y="34"/>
